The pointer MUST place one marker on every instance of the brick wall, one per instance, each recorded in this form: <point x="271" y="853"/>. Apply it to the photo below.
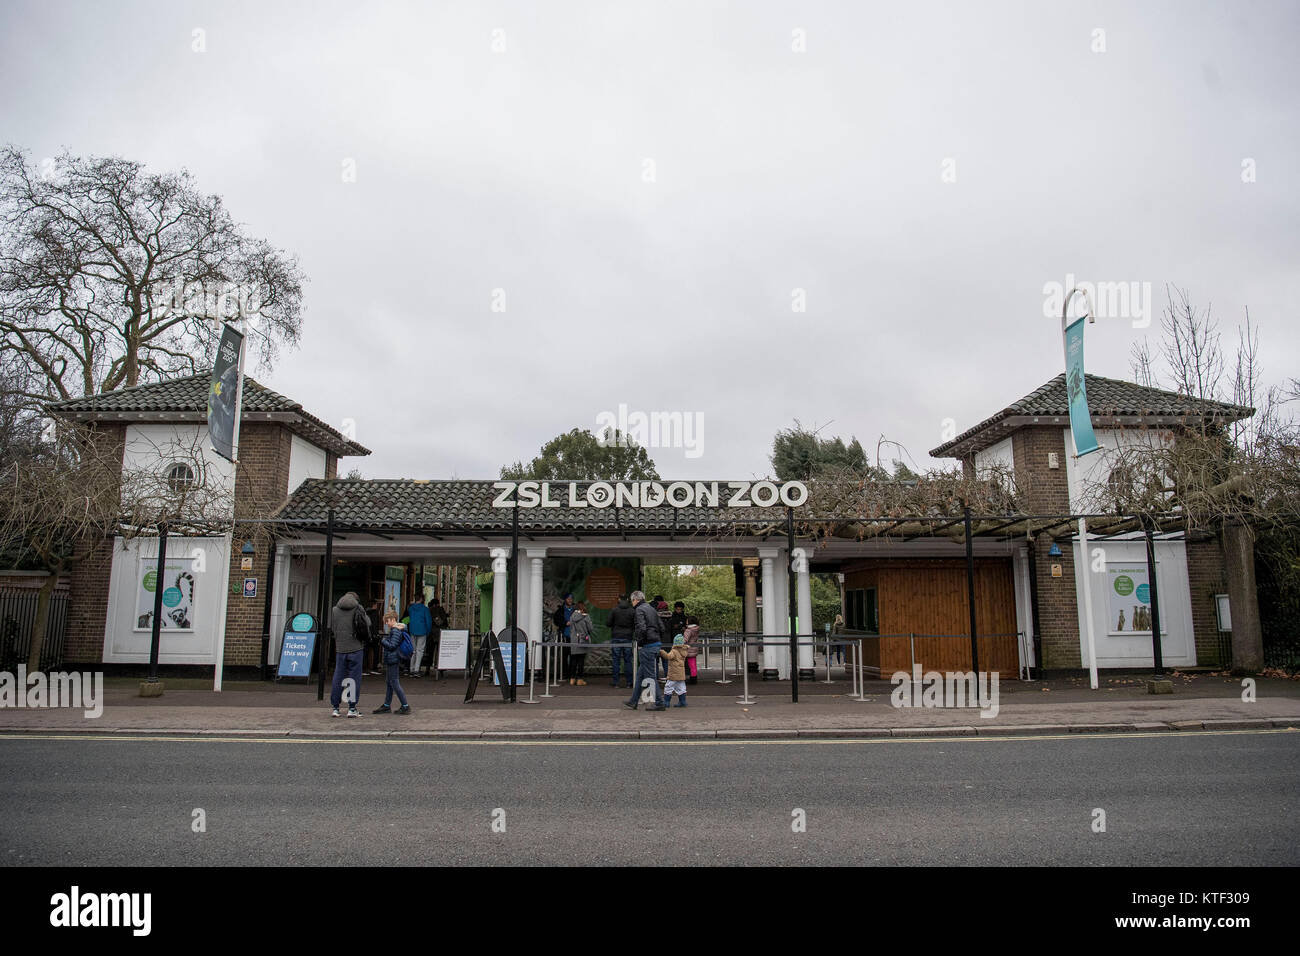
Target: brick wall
<point x="261" y="486"/>
<point x="1046" y="491"/>
<point x="89" y="577"/>
<point x="1206" y="577"/>
<point x="88" y="603"/>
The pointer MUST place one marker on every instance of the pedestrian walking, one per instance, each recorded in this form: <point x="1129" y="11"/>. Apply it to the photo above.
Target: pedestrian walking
<point x="580" y="631"/>
<point x="393" y="667"/>
<point x="647" y="636"/>
<point x="351" y="630"/>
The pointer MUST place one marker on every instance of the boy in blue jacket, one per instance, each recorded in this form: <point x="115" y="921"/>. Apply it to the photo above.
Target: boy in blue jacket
<point x="393" y="665"/>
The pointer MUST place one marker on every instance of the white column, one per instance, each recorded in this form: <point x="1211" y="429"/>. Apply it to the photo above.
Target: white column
<point x="279" y="598"/>
<point x="749" y="567"/>
<point x="804" y="588"/>
<point x="771" y="609"/>
<point x="500" y="596"/>
<point x="781" y="574"/>
<point x="534" y="618"/>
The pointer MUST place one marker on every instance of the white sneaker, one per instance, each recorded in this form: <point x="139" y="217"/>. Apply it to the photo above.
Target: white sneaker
<point x="354" y="712"/>
<point x="336" y="713"/>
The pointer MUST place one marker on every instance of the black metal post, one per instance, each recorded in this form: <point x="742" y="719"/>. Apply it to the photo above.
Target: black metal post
<point x="1155" y="604"/>
<point x="514" y="601"/>
<point x="1033" y="609"/>
<point x="970" y="596"/>
<point x="266" y="611"/>
<point x="792" y="603"/>
<point x="157" y="603"/>
<point x="327" y="589"/>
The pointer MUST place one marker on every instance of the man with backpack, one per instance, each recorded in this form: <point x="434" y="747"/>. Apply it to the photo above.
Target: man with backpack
<point x="398" y="649"/>
<point x="351" y="629"/>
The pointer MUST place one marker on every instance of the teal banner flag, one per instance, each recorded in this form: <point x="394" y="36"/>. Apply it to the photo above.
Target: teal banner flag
<point x="223" y="391"/>
<point x="1080" y="418"/>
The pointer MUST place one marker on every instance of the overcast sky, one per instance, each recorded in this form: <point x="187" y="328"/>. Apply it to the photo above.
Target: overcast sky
<point x="649" y="183"/>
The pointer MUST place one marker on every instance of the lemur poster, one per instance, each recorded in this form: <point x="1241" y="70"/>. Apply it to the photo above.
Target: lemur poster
<point x="177" y="595"/>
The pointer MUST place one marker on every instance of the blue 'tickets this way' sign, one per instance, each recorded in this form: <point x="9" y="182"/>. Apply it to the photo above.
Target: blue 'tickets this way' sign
<point x="295" y="655"/>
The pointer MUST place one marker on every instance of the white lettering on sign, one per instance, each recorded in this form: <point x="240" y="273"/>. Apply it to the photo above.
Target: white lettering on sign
<point x="647" y="494"/>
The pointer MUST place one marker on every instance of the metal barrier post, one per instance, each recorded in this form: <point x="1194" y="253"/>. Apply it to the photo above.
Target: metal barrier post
<point x="746" y="699"/>
<point x="725" y="679"/>
<point x="861" y="681"/>
<point x="532" y="681"/>
<point x="828" y="657"/>
<point x="546" y="672"/>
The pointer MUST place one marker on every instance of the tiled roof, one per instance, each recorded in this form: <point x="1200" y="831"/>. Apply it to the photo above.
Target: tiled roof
<point x="1108" y="398"/>
<point x="188" y="397"/>
<point x="466" y="507"/>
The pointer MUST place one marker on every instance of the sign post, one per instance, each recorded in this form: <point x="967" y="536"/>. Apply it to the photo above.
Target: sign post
<point x="1085" y="441"/>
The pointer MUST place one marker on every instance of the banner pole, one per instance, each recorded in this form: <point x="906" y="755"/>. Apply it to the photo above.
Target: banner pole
<point x="1081" y="423"/>
<point x="218" y="671"/>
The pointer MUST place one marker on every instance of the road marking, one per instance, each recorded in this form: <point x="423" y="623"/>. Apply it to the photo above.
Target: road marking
<point x="782" y="741"/>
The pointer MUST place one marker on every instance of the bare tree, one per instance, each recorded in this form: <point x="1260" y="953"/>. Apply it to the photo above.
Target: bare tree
<point x="1232" y="474"/>
<point x="70" y="492"/>
<point x="111" y="276"/>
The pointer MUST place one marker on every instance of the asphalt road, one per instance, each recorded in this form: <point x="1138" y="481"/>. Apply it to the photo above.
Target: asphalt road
<point x="1169" y="799"/>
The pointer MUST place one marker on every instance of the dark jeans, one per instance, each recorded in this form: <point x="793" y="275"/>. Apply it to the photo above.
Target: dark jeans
<point x="394" y="684"/>
<point x="578" y="666"/>
<point x="647" y="668"/>
<point x="622" y="656"/>
<point x="346" y="665"/>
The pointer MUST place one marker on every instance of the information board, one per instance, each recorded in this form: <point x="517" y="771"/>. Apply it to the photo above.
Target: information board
<point x="453" y="651"/>
<point x="295" y="654"/>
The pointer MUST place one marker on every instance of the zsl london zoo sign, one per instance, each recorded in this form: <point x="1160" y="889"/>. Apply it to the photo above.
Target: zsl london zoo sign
<point x="648" y="494"/>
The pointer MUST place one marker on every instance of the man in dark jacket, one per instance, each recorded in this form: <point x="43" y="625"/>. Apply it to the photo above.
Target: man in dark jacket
<point x="646" y="632"/>
<point x="440" y="620"/>
<point x="622" y="624"/>
<point x="351" y="631"/>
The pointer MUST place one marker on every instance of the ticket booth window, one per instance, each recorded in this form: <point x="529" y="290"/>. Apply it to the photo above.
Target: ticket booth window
<point x="862" y="610"/>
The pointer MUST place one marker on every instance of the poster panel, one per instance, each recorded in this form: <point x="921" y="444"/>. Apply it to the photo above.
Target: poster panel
<point x="177" y="596"/>
<point x="1129" y="599"/>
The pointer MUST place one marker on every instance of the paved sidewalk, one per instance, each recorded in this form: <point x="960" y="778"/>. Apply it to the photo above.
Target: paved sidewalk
<point x="1200" y="701"/>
